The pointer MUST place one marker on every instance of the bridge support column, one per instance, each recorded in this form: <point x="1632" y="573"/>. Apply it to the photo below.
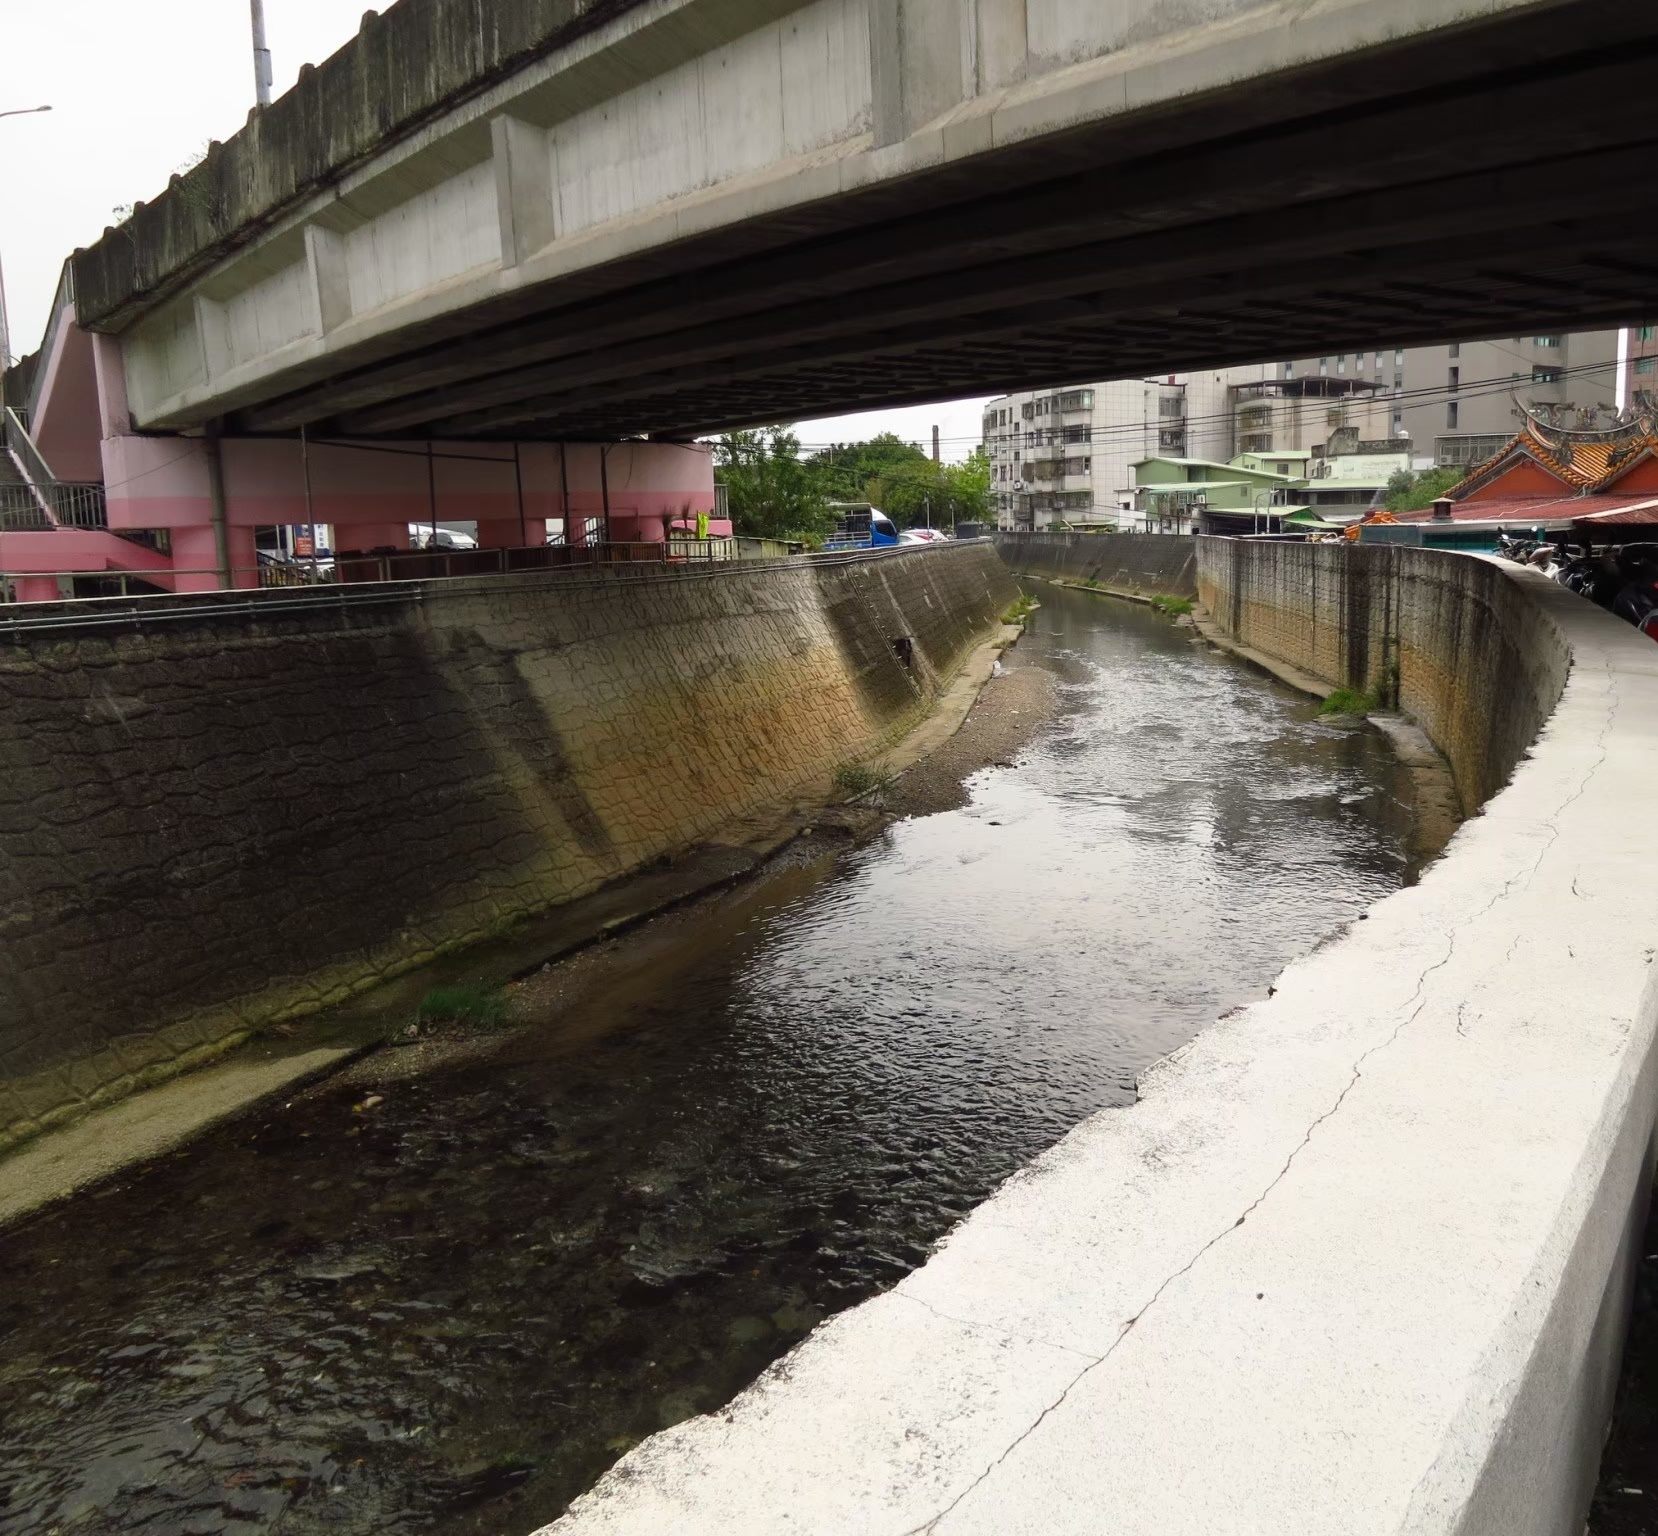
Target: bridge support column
<point x="196" y="557"/>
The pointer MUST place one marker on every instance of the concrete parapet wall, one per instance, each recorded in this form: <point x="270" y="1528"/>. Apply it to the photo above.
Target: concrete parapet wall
<point x="215" y="821"/>
<point x="1142" y="563"/>
<point x="1456" y="644"/>
<point x="1359" y="1258"/>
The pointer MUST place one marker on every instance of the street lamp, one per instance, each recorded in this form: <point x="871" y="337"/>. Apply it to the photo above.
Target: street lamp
<point x="5" y="329"/>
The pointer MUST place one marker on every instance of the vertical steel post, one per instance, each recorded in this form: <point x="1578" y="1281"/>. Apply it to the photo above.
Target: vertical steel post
<point x="518" y="478"/>
<point x="310" y="511"/>
<point x="432" y="490"/>
<point x="604" y="489"/>
<point x="261" y="56"/>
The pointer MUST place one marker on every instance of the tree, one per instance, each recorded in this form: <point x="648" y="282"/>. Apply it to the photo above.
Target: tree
<point x="848" y="468"/>
<point x="922" y="492"/>
<point x="1409" y="491"/>
<point x="771" y="492"/>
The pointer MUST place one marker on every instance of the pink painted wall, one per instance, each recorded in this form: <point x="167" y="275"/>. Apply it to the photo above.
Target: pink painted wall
<point x="67" y="428"/>
<point x="372" y="491"/>
<point x="75" y="550"/>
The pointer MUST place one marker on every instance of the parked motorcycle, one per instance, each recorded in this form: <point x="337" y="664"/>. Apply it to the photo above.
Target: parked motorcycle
<point x="1636" y="600"/>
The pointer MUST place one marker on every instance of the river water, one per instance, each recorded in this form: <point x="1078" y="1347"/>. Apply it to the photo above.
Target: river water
<point x="448" y="1312"/>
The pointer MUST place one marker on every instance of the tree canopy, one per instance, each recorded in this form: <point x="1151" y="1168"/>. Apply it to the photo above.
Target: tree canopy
<point x="775" y="493"/>
<point x="1416" y="490"/>
<point x="771" y="492"/>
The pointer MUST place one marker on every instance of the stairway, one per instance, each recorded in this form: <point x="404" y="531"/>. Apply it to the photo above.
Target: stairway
<point x="20" y="508"/>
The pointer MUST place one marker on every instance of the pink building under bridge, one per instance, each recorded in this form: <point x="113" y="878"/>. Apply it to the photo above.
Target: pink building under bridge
<point x="87" y="505"/>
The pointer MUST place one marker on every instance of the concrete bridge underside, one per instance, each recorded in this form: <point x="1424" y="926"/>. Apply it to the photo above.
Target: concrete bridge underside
<point x="697" y="214"/>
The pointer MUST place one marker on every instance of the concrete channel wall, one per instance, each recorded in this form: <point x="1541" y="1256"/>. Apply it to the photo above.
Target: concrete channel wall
<point x="229" y="812"/>
<point x="1136" y="564"/>
<point x="1359" y="1258"/>
<point x="1455" y="644"/>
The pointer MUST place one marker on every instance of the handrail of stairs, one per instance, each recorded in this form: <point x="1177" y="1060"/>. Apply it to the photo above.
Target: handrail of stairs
<point x="41" y="501"/>
<point x="63" y="303"/>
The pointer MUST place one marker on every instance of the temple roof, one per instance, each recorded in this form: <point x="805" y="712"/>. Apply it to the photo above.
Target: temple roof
<point x="1592" y="453"/>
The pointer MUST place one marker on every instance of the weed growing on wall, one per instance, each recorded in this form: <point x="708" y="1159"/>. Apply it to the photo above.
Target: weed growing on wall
<point x="1348" y="701"/>
<point x="462" y="1005"/>
<point x="1021" y="610"/>
<point x="854" y="779"/>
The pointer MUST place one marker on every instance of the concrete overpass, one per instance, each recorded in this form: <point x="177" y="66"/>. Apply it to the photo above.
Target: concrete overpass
<point x="581" y="219"/>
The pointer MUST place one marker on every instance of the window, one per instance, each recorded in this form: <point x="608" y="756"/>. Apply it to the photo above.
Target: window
<point x="1399" y="357"/>
<point x="1456" y="349"/>
<point x="1646" y="364"/>
<point x="1451" y="414"/>
<point x="1647" y="332"/>
<point x="1171" y="405"/>
<point x="1453" y="378"/>
<point x="1398" y="378"/>
<point x="1551" y="342"/>
<point x="1323" y="366"/>
<point x="1398" y="420"/>
<point x="1289" y="368"/>
<point x="1341" y="362"/>
<point x="1541" y="374"/>
<point x="1282" y="469"/>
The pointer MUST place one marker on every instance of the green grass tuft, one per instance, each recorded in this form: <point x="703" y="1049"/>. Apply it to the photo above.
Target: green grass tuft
<point x="1021" y="610"/>
<point x="1171" y="607"/>
<point x="854" y="779"/>
<point x="1348" y="701"/>
<point x="463" y="1005"/>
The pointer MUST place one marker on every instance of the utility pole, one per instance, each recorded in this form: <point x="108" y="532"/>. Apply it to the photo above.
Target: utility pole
<point x="261" y="56"/>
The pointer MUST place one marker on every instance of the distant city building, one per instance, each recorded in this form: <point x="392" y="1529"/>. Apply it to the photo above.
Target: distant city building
<point x="1066" y="456"/>
<point x="1334" y="484"/>
<point x="1455" y="402"/>
<point x="1641" y="376"/>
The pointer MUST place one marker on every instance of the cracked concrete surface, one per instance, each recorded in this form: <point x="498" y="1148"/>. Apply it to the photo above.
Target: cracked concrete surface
<point x="1356" y="1260"/>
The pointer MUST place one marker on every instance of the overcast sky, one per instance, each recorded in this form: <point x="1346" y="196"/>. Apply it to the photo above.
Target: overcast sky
<point x="137" y="90"/>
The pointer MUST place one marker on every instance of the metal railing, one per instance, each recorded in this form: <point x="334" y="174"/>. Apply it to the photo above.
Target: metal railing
<point x="42" y="502"/>
<point x="63" y="301"/>
<point x="21" y="511"/>
<point x="72" y="505"/>
<point x="129" y="597"/>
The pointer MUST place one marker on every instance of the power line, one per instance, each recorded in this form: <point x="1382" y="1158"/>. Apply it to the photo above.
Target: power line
<point x="1427" y="395"/>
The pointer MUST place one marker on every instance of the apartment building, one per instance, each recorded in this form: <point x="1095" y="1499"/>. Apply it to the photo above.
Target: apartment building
<point x="1067" y="455"/>
<point x="1455" y="402"/>
<point x="1641" y="369"/>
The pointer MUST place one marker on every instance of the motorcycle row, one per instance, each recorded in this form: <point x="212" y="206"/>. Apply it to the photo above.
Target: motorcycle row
<point x="1622" y="578"/>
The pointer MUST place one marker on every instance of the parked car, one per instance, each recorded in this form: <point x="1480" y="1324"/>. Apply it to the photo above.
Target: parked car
<point x="423" y="536"/>
<point x="923" y="536"/>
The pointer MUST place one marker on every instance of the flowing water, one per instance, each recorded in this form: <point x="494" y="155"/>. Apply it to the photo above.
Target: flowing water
<point x="450" y="1312"/>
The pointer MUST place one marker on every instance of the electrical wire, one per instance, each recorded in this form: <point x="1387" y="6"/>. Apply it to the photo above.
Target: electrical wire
<point x="1474" y="389"/>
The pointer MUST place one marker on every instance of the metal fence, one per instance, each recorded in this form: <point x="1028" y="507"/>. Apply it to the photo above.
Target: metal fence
<point x="42" y="502"/>
<point x="135" y="597"/>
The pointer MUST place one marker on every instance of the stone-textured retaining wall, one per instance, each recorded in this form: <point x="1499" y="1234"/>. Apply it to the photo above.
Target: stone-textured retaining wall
<point x="212" y="822"/>
<point x="1454" y="643"/>
<point x="1360" y="1256"/>
<point x="1141" y="563"/>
